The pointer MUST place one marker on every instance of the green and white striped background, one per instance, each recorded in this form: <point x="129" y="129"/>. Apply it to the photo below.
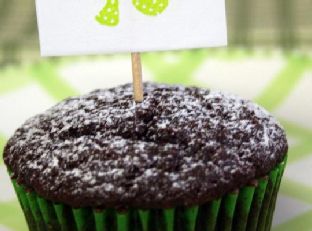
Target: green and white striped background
<point x="283" y="23"/>
<point x="280" y="82"/>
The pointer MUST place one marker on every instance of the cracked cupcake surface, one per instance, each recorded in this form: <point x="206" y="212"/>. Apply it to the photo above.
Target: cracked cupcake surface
<point x="180" y="146"/>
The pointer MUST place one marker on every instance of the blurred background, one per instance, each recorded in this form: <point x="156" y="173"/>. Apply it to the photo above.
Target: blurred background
<point x="269" y="60"/>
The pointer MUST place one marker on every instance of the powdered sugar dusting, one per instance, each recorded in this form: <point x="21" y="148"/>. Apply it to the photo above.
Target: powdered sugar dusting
<point x="179" y="146"/>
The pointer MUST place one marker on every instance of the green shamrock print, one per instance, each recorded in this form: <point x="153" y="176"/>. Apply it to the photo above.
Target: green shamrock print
<point x="109" y="15"/>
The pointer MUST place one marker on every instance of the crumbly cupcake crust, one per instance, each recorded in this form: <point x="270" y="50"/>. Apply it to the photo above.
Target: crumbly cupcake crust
<point x="180" y="146"/>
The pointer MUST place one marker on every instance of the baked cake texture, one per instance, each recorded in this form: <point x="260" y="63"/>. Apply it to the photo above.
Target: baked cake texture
<point x="181" y="146"/>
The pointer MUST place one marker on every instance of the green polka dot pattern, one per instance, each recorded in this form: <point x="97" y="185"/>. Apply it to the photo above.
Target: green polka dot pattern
<point x="109" y="15"/>
<point x="150" y="7"/>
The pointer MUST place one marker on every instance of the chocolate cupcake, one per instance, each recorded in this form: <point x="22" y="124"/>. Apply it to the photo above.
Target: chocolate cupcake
<point x="185" y="159"/>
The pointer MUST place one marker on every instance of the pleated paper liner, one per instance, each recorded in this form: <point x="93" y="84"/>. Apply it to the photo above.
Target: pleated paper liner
<point x="251" y="208"/>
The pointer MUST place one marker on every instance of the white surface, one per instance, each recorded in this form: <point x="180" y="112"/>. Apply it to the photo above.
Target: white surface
<point x="20" y="105"/>
<point x="301" y="171"/>
<point x="233" y="76"/>
<point x="288" y="208"/>
<point x="2" y="228"/>
<point x="69" y="27"/>
<point x="88" y="75"/>
<point x="298" y="106"/>
<point x="292" y="140"/>
<point x="7" y="191"/>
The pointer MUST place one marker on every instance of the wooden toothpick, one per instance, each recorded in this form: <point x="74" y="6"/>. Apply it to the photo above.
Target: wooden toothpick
<point x="137" y="77"/>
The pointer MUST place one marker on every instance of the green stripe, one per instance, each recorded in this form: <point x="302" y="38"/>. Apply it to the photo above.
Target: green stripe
<point x="284" y="83"/>
<point x="11" y="216"/>
<point x="310" y="63"/>
<point x="296" y="190"/>
<point x="232" y="54"/>
<point x="2" y="143"/>
<point x="177" y="70"/>
<point x="304" y="147"/>
<point x="300" y="151"/>
<point x="12" y="78"/>
<point x="302" y="223"/>
<point x="296" y="130"/>
<point x="46" y="75"/>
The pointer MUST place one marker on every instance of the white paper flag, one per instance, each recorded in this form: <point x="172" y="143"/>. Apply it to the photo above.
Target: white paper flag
<point x="73" y="27"/>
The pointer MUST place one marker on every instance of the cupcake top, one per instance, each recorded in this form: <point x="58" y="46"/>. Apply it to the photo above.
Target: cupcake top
<point x="180" y="146"/>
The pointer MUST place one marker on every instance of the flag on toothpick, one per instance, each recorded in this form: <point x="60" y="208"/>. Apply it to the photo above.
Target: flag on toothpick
<point x="75" y="27"/>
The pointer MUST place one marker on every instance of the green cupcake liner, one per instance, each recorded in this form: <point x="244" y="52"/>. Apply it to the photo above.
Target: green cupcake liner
<point x="251" y="208"/>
